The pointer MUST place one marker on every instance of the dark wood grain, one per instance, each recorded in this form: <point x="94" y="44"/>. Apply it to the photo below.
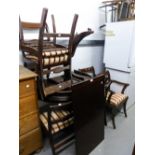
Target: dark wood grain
<point x="88" y="104"/>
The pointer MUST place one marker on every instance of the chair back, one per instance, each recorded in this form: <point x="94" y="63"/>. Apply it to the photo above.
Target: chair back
<point x="53" y="27"/>
<point x="88" y="70"/>
<point x="78" y="38"/>
<point x="32" y="47"/>
<point x="32" y="26"/>
<point x="107" y="82"/>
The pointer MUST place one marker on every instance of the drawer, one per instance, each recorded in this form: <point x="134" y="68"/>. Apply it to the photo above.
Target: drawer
<point x="27" y="105"/>
<point x="28" y="123"/>
<point x="30" y="142"/>
<point x="26" y="87"/>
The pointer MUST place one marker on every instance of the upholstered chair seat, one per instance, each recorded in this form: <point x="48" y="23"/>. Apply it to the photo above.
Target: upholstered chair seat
<point x="60" y="119"/>
<point x="116" y="98"/>
<point x="52" y="56"/>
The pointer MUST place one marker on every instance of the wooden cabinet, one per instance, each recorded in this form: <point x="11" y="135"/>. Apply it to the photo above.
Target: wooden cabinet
<point x="29" y="127"/>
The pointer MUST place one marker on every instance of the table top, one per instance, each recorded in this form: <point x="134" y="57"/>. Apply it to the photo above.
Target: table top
<point x="25" y="73"/>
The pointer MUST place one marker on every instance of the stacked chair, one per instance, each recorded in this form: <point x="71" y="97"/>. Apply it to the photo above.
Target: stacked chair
<point x="120" y="10"/>
<point x="52" y="63"/>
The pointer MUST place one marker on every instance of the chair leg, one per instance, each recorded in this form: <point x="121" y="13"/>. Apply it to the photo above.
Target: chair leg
<point x="113" y="120"/>
<point x="105" y="118"/>
<point x="52" y="147"/>
<point x="124" y="107"/>
<point x="25" y="64"/>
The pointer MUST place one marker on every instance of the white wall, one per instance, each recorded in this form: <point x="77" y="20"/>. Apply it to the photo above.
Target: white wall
<point x="89" y="17"/>
<point x="88" y="56"/>
<point x="89" y="14"/>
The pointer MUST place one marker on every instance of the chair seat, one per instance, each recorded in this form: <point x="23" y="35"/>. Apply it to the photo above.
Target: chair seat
<point x="58" y="119"/>
<point x="117" y="98"/>
<point x="52" y="56"/>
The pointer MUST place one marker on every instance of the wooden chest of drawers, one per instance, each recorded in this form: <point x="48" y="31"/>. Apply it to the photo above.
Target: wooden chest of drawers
<point x="29" y="127"/>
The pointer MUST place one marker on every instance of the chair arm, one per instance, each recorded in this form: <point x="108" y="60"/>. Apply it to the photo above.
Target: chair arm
<point x="31" y="50"/>
<point x="76" y="74"/>
<point x="82" y="73"/>
<point x="111" y="93"/>
<point x="78" y="38"/>
<point x="125" y="85"/>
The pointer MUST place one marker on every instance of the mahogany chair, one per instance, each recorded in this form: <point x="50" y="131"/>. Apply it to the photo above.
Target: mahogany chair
<point x="47" y="57"/>
<point x="57" y="120"/>
<point x="44" y="55"/>
<point x="42" y="52"/>
<point x="114" y="101"/>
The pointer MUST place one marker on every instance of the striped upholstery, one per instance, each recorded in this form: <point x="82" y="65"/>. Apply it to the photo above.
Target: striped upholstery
<point x="56" y="116"/>
<point x="55" y="56"/>
<point x="116" y="98"/>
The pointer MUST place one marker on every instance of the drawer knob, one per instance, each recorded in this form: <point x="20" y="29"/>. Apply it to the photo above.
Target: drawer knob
<point x="27" y="86"/>
<point x="59" y="104"/>
<point x="60" y="86"/>
<point x="91" y="80"/>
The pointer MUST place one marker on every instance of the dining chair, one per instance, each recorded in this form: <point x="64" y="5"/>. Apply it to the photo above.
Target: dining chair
<point x="45" y="54"/>
<point x="114" y="100"/>
<point x="57" y="119"/>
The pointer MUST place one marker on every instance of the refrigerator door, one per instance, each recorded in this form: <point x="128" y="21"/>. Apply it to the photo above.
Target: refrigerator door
<point x="119" y="42"/>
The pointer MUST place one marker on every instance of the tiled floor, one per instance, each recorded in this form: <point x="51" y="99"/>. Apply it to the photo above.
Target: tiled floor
<point x="116" y="142"/>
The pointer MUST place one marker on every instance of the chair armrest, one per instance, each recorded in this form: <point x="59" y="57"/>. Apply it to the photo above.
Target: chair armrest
<point x="82" y="73"/>
<point x="111" y="93"/>
<point x="78" y="38"/>
<point x="125" y="85"/>
<point x="76" y="74"/>
<point x="31" y="50"/>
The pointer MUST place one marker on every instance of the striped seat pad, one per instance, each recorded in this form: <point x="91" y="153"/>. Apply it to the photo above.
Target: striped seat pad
<point x="56" y="116"/>
<point x="53" y="56"/>
<point x="116" y="98"/>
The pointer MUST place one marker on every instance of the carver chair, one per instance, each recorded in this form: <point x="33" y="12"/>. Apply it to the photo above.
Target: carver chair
<point x="114" y="101"/>
<point x="43" y="53"/>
